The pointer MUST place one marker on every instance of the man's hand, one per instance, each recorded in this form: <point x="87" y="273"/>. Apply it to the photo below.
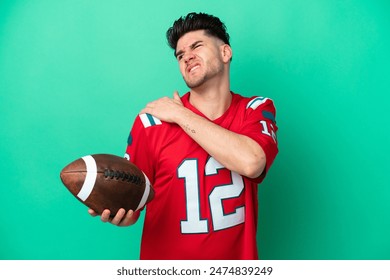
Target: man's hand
<point x="121" y="218"/>
<point x="166" y="109"/>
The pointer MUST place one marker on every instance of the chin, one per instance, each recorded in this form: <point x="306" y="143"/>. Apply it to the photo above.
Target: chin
<point x="194" y="83"/>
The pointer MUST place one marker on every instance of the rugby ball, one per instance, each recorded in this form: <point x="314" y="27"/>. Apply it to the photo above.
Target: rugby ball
<point x="105" y="181"/>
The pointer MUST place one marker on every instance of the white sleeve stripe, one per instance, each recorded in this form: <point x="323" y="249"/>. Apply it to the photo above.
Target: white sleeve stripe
<point x="145" y="195"/>
<point x="90" y="178"/>
<point x="156" y="120"/>
<point x="256" y="102"/>
<point x="149" y="120"/>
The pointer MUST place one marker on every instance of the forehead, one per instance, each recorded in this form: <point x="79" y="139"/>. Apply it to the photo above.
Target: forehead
<point x="189" y="38"/>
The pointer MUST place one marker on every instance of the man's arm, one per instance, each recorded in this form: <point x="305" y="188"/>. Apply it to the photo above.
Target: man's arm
<point x="236" y="152"/>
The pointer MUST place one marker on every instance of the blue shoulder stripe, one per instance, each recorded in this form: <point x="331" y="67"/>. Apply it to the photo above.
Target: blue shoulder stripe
<point x="268" y="115"/>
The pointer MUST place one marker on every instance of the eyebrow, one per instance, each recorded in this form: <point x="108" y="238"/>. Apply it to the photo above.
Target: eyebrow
<point x="192" y="46"/>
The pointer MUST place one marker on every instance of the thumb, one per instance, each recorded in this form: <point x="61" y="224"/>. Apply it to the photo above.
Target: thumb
<point x="176" y="96"/>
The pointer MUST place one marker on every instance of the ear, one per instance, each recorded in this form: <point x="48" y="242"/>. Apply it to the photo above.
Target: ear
<point x="226" y="52"/>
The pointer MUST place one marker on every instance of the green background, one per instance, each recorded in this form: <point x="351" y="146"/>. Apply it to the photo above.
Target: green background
<point x="74" y="74"/>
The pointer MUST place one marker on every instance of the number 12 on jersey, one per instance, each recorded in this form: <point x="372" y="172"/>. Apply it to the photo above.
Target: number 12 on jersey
<point x="188" y="170"/>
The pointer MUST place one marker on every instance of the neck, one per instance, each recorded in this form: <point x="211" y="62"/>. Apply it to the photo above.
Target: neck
<point x="211" y="101"/>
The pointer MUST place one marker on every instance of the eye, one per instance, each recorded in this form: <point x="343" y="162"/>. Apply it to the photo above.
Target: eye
<point x="179" y="57"/>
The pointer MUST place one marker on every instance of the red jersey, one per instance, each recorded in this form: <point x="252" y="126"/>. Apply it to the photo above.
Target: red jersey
<point x="201" y="210"/>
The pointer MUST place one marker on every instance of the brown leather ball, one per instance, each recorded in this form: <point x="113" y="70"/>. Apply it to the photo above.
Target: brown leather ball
<point x="105" y="181"/>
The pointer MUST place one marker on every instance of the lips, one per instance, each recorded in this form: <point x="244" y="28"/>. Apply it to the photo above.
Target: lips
<point x="192" y="67"/>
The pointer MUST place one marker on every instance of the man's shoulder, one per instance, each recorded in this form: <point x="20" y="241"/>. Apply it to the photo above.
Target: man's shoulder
<point x="255" y="101"/>
<point x="251" y="102"/>
<point x="149" y="120"/>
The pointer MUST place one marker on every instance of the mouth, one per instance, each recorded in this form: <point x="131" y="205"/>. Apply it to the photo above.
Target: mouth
<point x="192" y="68"/>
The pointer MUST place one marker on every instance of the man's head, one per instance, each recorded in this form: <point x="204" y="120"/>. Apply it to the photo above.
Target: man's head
<point x="201" y="46"/>
<point x="197" y="21"/>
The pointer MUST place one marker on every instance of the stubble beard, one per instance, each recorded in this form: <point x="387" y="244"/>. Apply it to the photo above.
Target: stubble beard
<point x="210" y="73"/>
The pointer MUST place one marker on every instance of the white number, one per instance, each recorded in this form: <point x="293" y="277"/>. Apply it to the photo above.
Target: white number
<point x="266" y="130"/>
<point x="219" y="193"/>
<point x="188" y="170"/>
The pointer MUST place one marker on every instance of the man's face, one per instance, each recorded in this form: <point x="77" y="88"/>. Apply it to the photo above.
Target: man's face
<point x="199" y="57"/>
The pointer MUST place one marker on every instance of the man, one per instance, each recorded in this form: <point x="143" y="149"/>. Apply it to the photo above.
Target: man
<point x="204" y="153"/>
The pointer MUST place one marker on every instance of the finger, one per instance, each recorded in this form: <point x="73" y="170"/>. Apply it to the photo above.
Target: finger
<point x="176" y="96"/>
<point x="105" y="216"/>
<point x="92" y="212"/>
<point x="127" y="219"/>
<point x="118" y="217"/>
<point x="148" y="108"/>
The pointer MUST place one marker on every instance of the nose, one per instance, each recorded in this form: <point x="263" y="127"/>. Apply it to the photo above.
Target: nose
<point x="188" y="56"/>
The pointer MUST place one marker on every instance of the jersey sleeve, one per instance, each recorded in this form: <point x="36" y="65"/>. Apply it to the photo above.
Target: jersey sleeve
<point x="260" y="125"/>
<point x="138" y="151"/>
